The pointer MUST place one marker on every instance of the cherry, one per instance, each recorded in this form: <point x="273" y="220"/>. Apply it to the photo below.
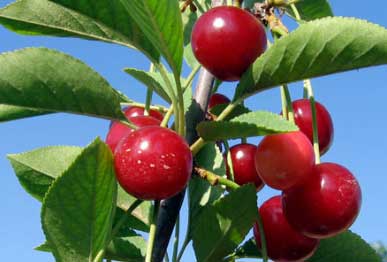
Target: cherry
<point x="326" y="205"/>
<point x="217" y="99"/>
<point x="226" y="40"/>
<point x="117" y="131"/>
<point x="283" y="242"/>
<point x="242" y="157"/>
<point x="132" y="111"/>
<point x="153" y="163"/>
<point x="304" y="120"/>
<point x="284" y="160"/>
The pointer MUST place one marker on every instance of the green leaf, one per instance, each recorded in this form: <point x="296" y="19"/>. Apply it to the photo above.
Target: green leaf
<point x="222" y="226"/>
<point x="258" y="123"/>
<point x="45" y="247"/>
<point x="317" y="48"/>
<point x="99" y="20"/>
<point x="248" y="250"/>
<point x="54" y="81"/>
<point x="8" y="112"/>
<point x="189" y="18"/>
<point x="200" y="192"/>
<point x="141" y="215"/>
<point x="37" y="169"/>
<point x="237" y="111"/>
<point x="346" y="247"/>
<point x="312" y="9"/>
<point x="151" y="80"/>
<point x="190" y="57"/>
<point x="132" y="249"/>
<point x="160" y="21"/>
<point x="78" y="209"/>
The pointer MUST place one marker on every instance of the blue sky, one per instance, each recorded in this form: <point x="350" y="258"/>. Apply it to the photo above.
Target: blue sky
<point x="355" y="99"/>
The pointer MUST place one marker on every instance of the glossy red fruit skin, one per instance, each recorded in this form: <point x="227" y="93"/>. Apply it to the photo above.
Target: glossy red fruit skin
<point x="284" y="244"/>
<point x="117" y="131"/>
<point x="284" y="160"/>
<point x="153" y="163"/>
<point x="326" y="205"/>
<point x="242" y="157"/>
<point x="132" y="111"/>
<point x="217" y="99"/>
<point x="226" y="40"/>
<point x="304" y="120"/>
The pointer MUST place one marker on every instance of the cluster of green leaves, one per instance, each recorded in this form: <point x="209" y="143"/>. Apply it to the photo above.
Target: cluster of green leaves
<point x="81" y="201"/>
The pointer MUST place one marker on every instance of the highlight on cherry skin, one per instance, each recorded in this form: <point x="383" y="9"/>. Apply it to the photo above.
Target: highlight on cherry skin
<point x="304" y="120"/>
<point x="284" y="244"/>
<point x="226" y="40"/>
<point x="117" y="131"/>
<point x="284" y="160"/>
<point x="153" y="163"/>
<point x="217" y="99"/>
<point x="242" y="157"/>
<point x="326" y="204"/>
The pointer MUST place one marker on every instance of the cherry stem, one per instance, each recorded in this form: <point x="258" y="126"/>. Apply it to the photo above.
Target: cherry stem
<point x="152" y="232"/>
<point x="295" y="11"/>
<point x="214" y="179"/>
<point x="159" y="108"/>
<point x="149" y="94"/>
<point x="287" y="102"/>
<point x="124" y="218"/>
<point x="191" y="77"/>
<point x="184" y="246"/>
<point x="176" y="240"/>
<point x="128" y="124"/>
<point x="316" y="146"/>
<point x="229" y="160"/>
<point x="167" y="117"/>
<point x="262" y="237"/>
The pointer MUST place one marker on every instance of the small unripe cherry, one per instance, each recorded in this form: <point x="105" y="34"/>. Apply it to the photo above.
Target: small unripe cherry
<point x="242" y="157"/>
<point x="284" y="160"/>
<point x="284" y="244"/>
<point x="304" y="120"/>
<point x="117" y="131"/>
<point x="217" y="99"/>
<point x="153" y="163"/>
<point x="226" y="40"/>
<point x="326" y="204"/>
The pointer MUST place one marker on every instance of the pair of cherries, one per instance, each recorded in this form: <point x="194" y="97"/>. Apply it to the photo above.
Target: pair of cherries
<point x="151" y="162"/>
<point x="317" y="202"/>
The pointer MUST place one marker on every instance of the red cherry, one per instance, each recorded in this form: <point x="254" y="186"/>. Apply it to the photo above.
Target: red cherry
<point x="226" y="40"/>
<point x="284" y="160"/>
<point x="153" y="163"/>
<point x="326" y="204"/>
<point x="117" y="131"/>
<point x="242" y="157"/>
<point x="217" y="99"/>
<point x="132" y="111"/>
<point x="284" y="244"/>
<point x="303" y="118"/>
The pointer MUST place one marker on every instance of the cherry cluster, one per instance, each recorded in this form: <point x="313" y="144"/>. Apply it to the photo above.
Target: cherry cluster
<point x="151" y="162"/>
<point x="318" y="200"/>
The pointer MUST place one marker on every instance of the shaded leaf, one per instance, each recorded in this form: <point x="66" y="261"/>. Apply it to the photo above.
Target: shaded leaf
<point x="248" y="250"/>
<point x="222" y="226"/>
<point x="78" y="209"/>
<point x="317" y="48"/>
<point x="130" y="249"/>
<point x="200" y="192"/>
<point x="312" y="9"/>
<point x="37" y="169"/>
<point x="54" y="81"/>
<point x="160" y="21"/>
<point x="105" y="21"/>
<point x="247" y="125"/>
<point x="346" y="247"/>
<point x="8" y="112"/>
